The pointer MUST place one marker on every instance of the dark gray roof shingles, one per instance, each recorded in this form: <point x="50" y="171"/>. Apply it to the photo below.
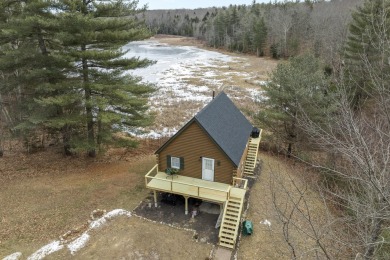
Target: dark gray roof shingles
<point x="226" y="125"/>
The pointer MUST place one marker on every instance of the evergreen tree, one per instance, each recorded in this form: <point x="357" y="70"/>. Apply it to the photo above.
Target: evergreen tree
<point x="260" y="36"/>
<point x="297" y="85"/>
<point x="64" y="68"/>
<point x="92" y="34"/>
<point x="367" y="45"/>
<point x="33" y="64"/>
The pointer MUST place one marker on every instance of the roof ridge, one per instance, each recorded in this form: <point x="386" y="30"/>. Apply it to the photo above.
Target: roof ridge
<point x="208" y="104"/>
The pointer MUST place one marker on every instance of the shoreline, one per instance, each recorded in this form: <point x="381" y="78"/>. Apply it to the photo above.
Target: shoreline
<point x="176" y="40"/>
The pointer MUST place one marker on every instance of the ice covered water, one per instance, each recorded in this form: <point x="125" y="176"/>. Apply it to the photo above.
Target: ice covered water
<point x="172" y="62"/>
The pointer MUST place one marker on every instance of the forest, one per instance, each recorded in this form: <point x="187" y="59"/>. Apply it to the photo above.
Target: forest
<point x="328" y="100"/>
<point x="281" y="29"/>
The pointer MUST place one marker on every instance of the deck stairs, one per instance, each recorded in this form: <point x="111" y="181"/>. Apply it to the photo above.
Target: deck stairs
<point x="251" y="158"/>
<point x="228" y="232"/>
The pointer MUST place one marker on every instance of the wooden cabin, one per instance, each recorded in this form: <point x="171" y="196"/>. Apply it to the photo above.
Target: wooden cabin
<point x="212" y="146"/>
<point x="211" y="154"/>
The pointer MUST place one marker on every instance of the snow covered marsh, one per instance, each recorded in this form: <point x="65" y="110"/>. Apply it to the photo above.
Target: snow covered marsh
<point x="185" y="78"/>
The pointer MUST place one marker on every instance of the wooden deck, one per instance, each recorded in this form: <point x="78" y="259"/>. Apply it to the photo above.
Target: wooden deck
<point x="192" y="187"/>
<point x="230" y="196"/>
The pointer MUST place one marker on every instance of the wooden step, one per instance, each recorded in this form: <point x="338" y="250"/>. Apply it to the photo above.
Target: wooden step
<point x="228" y="244"/>
<point x="230" y="222"/>
<point x="227" y="239"/>
<point x="233" y="211"/>
<point x="236" y="201"/>
<point x="229" y="228"/>
<point x="233" y="205"/>
<point x="229" y="233"/>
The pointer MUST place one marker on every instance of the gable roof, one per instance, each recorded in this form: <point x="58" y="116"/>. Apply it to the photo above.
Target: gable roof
<point x="225" y="125"/>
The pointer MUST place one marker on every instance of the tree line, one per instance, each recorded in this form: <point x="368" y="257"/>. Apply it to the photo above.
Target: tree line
<point x="279" y="29"/>
<point x="61" y="70"/>
<point x="340" y="125"/>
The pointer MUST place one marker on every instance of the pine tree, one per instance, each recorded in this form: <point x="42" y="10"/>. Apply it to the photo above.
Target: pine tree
<point x="93" y="33"/>
<point x="33" y="66"/>
<point x="64" y="68"/>
<point x="367" y="45"/>
<point x="260" y="36"/>
<point x="297" y="85"/>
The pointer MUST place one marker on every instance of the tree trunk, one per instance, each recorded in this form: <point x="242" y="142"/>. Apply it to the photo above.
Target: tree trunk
<point x="88" y="107"/>
<point x="66" y="140"/>
<point x="99" y="131"/>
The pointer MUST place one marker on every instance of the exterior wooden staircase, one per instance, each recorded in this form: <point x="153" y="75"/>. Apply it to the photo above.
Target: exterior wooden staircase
<point x="251" y="158"/>
<point x="228" y="232"/>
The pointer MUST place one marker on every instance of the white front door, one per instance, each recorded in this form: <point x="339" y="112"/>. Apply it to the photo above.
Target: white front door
<point x="207" y="169"/>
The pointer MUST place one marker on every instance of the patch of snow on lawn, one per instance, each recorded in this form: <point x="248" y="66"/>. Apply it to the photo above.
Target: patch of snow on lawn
<point x="14" y="256"/>
<point x="114" y="213"/>
<point x="266" y="222"/>
<point x="46" y="250"/>
<point x="74" y="245"/>
<point x="117" y="212"/>
<point x="78" y="243"/>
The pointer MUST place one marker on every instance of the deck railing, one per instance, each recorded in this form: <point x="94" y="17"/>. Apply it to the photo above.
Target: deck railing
<point x="149" y="176"/>
<point x="240" y="182"/>
<point x="192" y="189"/>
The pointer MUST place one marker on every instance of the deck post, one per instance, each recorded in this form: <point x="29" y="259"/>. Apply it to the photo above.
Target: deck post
<point x="186" y="205"/>
<point x="155" y="198"/>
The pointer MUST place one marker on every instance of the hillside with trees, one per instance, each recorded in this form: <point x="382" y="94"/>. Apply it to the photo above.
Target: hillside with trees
<point x="279" y="29"/>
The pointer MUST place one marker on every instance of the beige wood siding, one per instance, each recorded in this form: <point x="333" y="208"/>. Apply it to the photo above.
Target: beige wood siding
<point x="192" y="144"/>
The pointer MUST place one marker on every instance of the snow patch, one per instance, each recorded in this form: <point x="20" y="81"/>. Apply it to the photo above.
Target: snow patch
<point x="78" y="243"/>
<point x="266" y="222"/>
<point x="117" y="212"/>
<point x="14" y="256"/>
<point x="46" y="250"/>
<point x="74" y="245"/>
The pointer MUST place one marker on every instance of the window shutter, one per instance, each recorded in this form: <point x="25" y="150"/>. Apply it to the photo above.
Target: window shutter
<point x="182" y="163"/>
<point x="168" y="161"/>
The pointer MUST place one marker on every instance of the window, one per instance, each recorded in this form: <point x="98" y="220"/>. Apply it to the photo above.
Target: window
<point x="175" y="162"/>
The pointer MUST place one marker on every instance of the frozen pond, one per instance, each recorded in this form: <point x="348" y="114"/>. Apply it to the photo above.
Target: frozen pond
<point x="172" y="61"/>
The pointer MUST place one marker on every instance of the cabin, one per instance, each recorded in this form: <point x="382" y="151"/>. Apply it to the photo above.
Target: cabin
<point x="208" y="159"/>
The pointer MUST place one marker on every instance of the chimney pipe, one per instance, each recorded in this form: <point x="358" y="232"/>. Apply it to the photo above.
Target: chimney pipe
<point x="213" y="94"/>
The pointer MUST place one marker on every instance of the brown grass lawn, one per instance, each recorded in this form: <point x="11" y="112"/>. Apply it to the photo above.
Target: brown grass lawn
<point x="268" y="242"/>
<point x="38" y="208"/>
<point x="44" y="195"/>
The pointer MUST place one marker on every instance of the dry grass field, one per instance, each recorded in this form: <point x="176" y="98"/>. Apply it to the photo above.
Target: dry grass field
<point x="44" y="195"/>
